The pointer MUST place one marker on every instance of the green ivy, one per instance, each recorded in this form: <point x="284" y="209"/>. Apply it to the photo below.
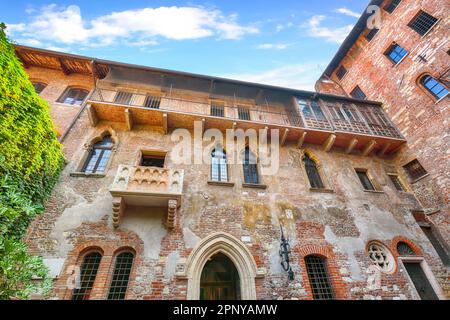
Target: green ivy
<point x="30" y="163"/>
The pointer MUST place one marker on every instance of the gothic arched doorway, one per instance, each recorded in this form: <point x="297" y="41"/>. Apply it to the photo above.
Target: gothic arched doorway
<point x="219" y="279"/>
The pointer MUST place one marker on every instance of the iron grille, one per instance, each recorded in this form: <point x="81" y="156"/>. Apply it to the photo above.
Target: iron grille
<point x="357" y="93"/>
<point x="217" y="110"/>
<point x="437" y="244"/>
<point x="319" y="278"/>
<point x="415" y="170"/>
<point x="121" y="276"/>
<point x="340" y="73"/>
<point x="89" y="269"/>
<point x="243" y="113"/>
<point x="365" y="181"/>
<point x="371" y="34"/>
<point x="391" y="6"/>
<point x="422" y="23"/>
<point x="152" y="102"/>
<point x="123" y="97"/>
<point x="397" y="183"/>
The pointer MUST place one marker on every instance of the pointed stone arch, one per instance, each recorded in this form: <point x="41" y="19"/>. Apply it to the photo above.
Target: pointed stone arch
<point x="235" y="250"/>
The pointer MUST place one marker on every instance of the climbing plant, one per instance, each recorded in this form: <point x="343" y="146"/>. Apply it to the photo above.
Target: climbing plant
<point x="30" y="163"/>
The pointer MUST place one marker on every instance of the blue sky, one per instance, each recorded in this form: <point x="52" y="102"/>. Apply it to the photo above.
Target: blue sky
<point x="286" y="43"/>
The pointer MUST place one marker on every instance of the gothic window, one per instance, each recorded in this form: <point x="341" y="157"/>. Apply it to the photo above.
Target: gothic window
<point x="357" y="93"/>
<point x="404" y="249"/>
<point x="219" y="169"/>
<point x="250" y="167"/>
<point x="39" y="86"/>
<point x="73" y="96"/>
<point x="88" y="273"/>
<point x="99" y="156"/>
<point x="381" y="257"/>
<point x="319" y="278"/>
<point x="437" y="89"/>
<point x="312" y="172"/>
<point x="121" y="276"/>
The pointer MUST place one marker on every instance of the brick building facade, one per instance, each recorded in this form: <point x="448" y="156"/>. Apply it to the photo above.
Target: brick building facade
<point x="137" y="225"/>
<point x="404" y="63"/>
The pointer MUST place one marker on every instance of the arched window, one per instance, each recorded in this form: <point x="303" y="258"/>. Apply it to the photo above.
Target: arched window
<point x="436" y="88"/>
<point x="99" y="156"/>
<point x="39" y="86"/>
<point x="121" y="276"/>
<point x="219" y="170"/>
<point x="313" y="172"/>
<point x="319" y="278"/>
<point x="88" y="272"/>
<point x="250" y="167"/>
<point x="404" y="249"/>
<point x="74" y="96"/>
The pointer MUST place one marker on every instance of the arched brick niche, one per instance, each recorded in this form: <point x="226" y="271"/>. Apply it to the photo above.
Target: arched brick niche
<point x="395" y="241"/>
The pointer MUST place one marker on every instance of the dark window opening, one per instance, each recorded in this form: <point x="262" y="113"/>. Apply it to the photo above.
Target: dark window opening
<point x="313" y="173"/>
<point x="39" y="86"/>
<point x="250" y="167"/>
<point x="121" y="276"/>
<point x="99" y="156"/>
<point x="436" y="88"/>
<point x="152" y="161"/>
<point x="404" y="249"/>
<point x="396" y="53"/>
<point x="391" y="6"/>
<point x="422" y="22"/>
<point x="415" y="170"/>
<point x="217" y="110"/>
<point x="371" y="34"/>
<point x="88" y="273"/>
<point x="152" y="102"/>
<point x="243" y="113"/>
<point x="365" y="181"/>
<point x="357" y="93"/>
<point x="123" y="97"/>
<point x="437" y="243"/>
<point x="319" y="278"/>
<point x="397" y="183"/>
<point x="73" y="96"/>
<point x="219" y="168"/>
<point x="340" y="73"/>
<point x="420" y="281"/>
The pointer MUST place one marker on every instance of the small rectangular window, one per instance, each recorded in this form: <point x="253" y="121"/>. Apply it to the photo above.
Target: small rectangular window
<point x="357" y="93"/>
<point x="391" y="6"/>
<point x="243" y="113"/>
<point x="152" y="161"/>
<point x="415" y="170"/>
<point x="152" y="102"/>
<point x="396" y="53"/>
<point x="396" y="182"/>
<point x="437" y="243"/>
<point x="371" y="34"/>
<point x="123" y="97"/>
<point x="217" y="110"/>
<point x="422" y="22"/>
<point x="365" y="181"/>
<point x="341" y="72"/>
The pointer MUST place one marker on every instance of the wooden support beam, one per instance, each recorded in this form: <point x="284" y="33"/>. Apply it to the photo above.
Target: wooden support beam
<point x="94" y="69"/>
<point x="165" y="122"/>
<point x="385" y="148"/>
<point x="21" y="58"/>
<point x="369" y="147"/>
<point x="92" y="115"/>
<point x="329" y="142"/>
<point x="128" y="119"/>
<point x="64" y="67"/>
<point x="351" y="145"/>
<point x="284" y="136"/>
<point x="301" y="140"/>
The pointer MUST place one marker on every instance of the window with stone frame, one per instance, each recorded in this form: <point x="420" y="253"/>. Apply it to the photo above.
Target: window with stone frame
<point x="73" y="96"/>
<point x="250" y="167"/>
<point x="219" y="166"/>
<point x="397" y="182"/>
<point x="312" y="171"/>
<point x="39" y="86"/>
<point x="396" y="53"/>
<point x="415" y="170"/>
<point x="99" y="156"/>
<point x="365" y="180"/>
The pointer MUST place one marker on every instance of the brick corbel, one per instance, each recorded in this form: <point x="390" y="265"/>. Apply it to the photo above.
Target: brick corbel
<point x="118" y="208"/>
<point x="171" y="213"/>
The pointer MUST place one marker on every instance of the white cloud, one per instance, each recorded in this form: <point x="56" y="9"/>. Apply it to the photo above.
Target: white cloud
<point x="315" y="29"/>
<point x="275" y="46"/>
<point x="296" y="76"/>
<point x="348" y="12"/>
<point x="66" y="25"/>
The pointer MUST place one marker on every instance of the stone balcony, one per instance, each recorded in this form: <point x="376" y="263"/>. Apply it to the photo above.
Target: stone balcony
<point x="147" y="187"/>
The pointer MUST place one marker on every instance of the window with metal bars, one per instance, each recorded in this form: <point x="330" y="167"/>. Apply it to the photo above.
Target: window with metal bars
<point x="123" y="97"/>
<point x="422" y="22"/>
<point x="73" y="96"/>
<point x="437" y="89"/>
<point x="396" y="182"/>
<point x="219" y="167"/>
<point x="319" y="279"/>
<point x="341" y="72"/>
<point x="250" y="167"/>
<point x="357" y="93"/>
<point x="243" y="113"/>
<point x="371" y="34"/>
<point x="88" y="273"/>
<point x="437" y="243"/>
<point x="99" y="156"/>
<point x="392" y="5"/>
<point x="365" y="181"/>
<point x="415" y="170"/>
<point x="39" y="86"/>
<point x="312" y="172"/>
<point x="404" y="249"/>
<point x="217" y="110"/>
<point x="396" y="53"/>
<point x="152" y="102"/>
<point x="121" y="276"/>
